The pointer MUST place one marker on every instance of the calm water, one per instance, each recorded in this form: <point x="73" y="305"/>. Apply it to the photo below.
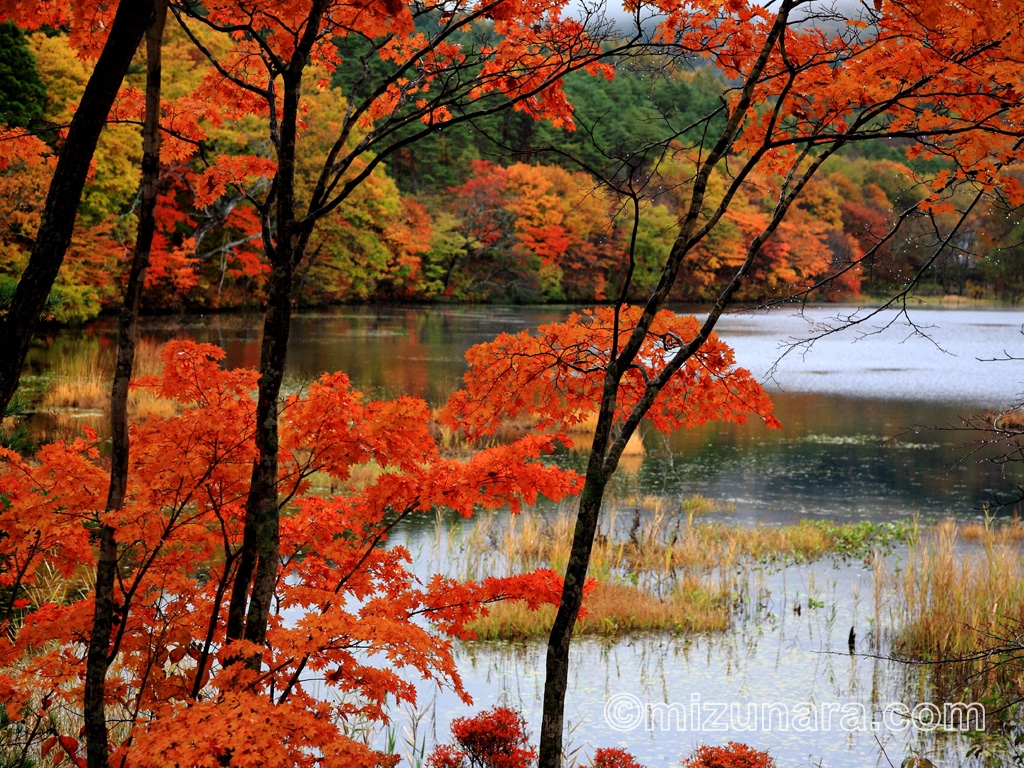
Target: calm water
<point x="859" y="410"/>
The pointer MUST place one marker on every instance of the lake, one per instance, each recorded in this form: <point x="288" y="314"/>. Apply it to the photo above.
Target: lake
<point x="862" y="410"/>
<point x="863" y="414"/>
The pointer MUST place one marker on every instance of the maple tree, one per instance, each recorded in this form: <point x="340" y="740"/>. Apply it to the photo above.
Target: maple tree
<point x="497" y="738"/>
<point x="105" y="612"/>
<point x="733" y="755"/>
<point x="276" y="46"/>
<point x="346" y="609"/>
<point x="266" y="60"/>
<point x="938" y="74"/>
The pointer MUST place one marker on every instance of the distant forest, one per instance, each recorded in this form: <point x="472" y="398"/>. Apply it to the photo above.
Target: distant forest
<point x="502" y="210"/>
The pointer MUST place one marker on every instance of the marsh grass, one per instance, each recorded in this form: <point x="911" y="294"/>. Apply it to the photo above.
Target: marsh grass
<point x="666" y="541"/>
<point x="49" y="586"/>
<point x="655" y="572"/>
<point x="958" y="608"/>
<point x="586" y="428"/>
<point x="80" y="379"/>
<point x="361" y="477"/>
<point x="80" y="384"/>
<point x="453" y="442"/>
<point x="616" y="608"/>
<point x="991" y="532"/>
<point x="957" y="599"/>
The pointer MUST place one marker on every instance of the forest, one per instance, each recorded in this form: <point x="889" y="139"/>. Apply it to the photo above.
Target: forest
<point x="529" y="223"/>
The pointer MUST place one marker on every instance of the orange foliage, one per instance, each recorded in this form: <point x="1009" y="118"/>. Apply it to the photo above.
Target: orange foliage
<point x="557" y="374"/>
<point x="348" y="610"/>
<point x="735" y="755"/>
<point x="541" y="226"/>
<point x="496" y="738"/>
<point x="613" y="757"/>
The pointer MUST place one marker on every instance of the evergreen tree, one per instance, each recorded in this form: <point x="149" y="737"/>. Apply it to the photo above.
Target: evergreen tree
<point x="22" y="94"/>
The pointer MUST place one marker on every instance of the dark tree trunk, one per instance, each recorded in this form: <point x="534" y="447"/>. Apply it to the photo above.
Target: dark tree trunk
<point x="97" y="660"/>
<point x="260" y="539"/>
<point x="258" y="562"/>
<point x="604" y="459"/>
<point x="253" y="590"/>
<point x="65" y="193"/>
<point x="557" y="679"/>
<point x="587" y="516"/>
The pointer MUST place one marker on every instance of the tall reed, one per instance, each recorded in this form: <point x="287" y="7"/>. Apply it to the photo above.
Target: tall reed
<point x="82" y="380"/>
<point x="958" y="599"/>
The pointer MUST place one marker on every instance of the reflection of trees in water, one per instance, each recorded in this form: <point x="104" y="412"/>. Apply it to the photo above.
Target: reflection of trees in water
<point x="771" y="476"/>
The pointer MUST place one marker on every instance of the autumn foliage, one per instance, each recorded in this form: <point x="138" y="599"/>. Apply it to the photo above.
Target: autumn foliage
<point x="555" y="372"/>
<point x="349" y="613"/>
<point x="536" y="230"/>
<point x="613" y="757"/>
<point x="497" y="738"/>
<point x="349" y="616"/>
<point x="733" y="755"/>
<point x="753" y="200"/>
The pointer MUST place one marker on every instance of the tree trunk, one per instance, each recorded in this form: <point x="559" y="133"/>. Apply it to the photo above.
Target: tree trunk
<point x="97" y="660"/>
<point x="65" y="193"/>
<point x="261" y="509"/>
<point x="258" y="561"/>
<point x="587" y="516"/>
<point x="557" y="680"/>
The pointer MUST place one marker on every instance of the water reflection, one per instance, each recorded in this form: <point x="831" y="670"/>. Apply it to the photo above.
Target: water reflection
<point x="850" y="409"/>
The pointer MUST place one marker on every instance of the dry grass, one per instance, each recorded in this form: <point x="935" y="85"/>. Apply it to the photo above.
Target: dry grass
<point x="1008" y="420"/>
<point x="82" y="382"/>
<point x="667" y="541"/>
<point x="587" y="427"/>
<point x="1011" y="531"/>
<point x="616" y="608"/>
<point x="452" y="442"/>
<point x="361" y="477"/>
<point x="657" y="572"/>
<point x="955" y="602"/>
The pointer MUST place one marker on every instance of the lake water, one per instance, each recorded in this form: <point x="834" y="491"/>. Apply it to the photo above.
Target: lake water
<point x="860" y="411"/>
<point x="859" y="408"/>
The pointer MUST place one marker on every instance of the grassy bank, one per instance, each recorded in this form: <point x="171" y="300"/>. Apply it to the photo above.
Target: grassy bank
<point x="75" y="392"/>
<point x="616" y="608"/>
<point x="657" y="572"/>
<point x="957" y="605"/>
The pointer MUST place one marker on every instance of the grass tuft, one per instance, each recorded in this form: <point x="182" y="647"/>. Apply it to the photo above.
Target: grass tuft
<point x="956" y="600"/>
<point x="658" y="572"/>
<point x="82" y="382"/>
<point x="615" y="608"/>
